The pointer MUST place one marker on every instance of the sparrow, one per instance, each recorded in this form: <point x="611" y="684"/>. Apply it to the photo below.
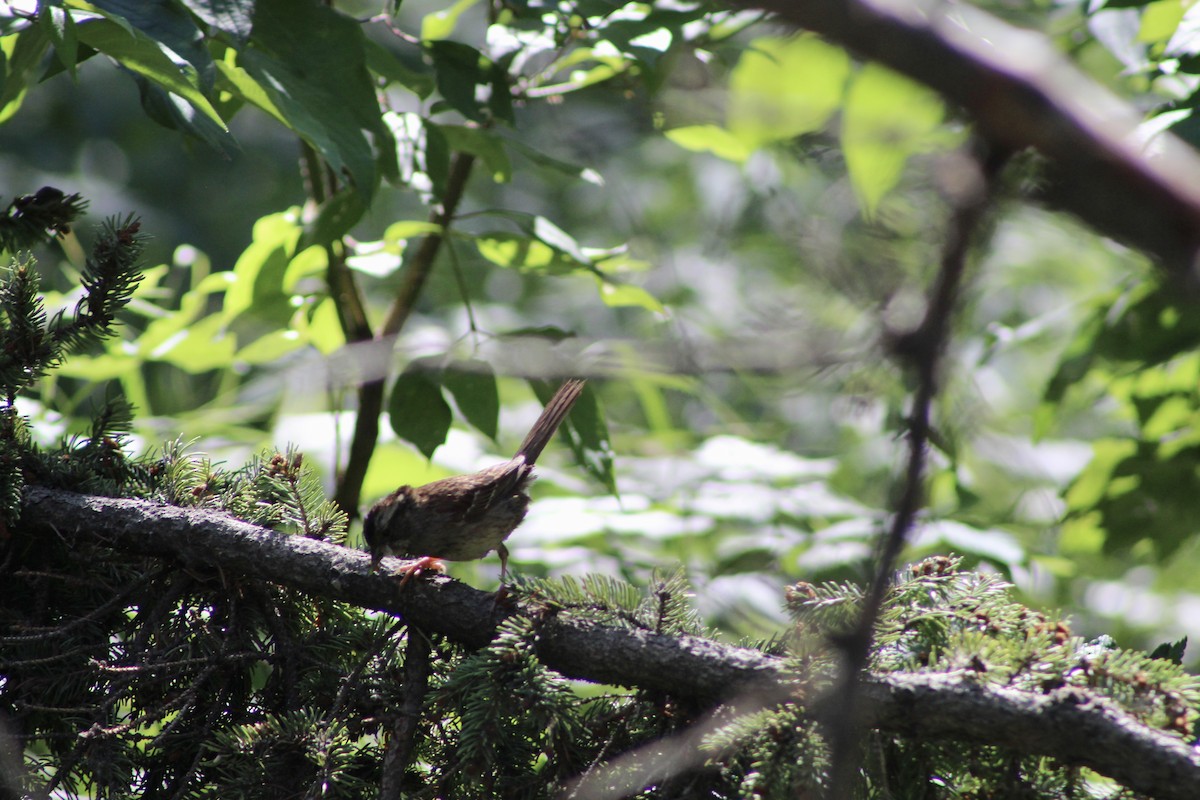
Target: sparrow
<point x="464" y="517"/>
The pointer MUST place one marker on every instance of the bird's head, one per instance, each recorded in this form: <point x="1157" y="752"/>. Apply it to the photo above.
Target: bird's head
<point x="384" y="527"/>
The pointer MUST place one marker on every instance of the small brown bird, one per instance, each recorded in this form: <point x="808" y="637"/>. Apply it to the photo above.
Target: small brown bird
<point x="467" y="516"/>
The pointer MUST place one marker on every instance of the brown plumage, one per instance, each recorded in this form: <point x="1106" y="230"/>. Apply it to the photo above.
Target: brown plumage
<point x="467" y="516"/>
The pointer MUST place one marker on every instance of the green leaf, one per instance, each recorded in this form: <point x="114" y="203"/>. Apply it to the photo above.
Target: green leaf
<point x="202" y="346"/>
<point x="545" y="247"/>
<point x="315" y="115"/>
<point x="417" y="411"/>
<point x="140" y="54"/>
<point x="711" y="139"/>
<point x="608" y="66"/>
<point x="887" y="120"/>
<point x="172" y="111"/>
<point x="22" y="52"/>
<point x="192" y="305"/>
<point x="335" y="218"/>
<point x="323" y="328"/>
<point x="618" y="295"/>
<point x="542" y="160"/>
<point x="548" y="332"/>
<point x="261" y="268"/>
<point x="407" y="229"/>
<point x="1160" y="20"/>
<point x="311" y="262"/>
<point x="546" y="231"/>
<point x="472" y="383"/>
<point x="59" y="27"/>
<point x="413" y="73"/>
<point x="515" y="251"/>
<point x="1093" y="483"/>
<point x="460" y="71"/>
<point x="270" y="347"/>
<point x="237" y="81"/>
<point x="782" y="88"/>
<point x="440" y="24"/>
<point x="310" y="62"/>
<point x="168" y="25"/>
<point x="1141" y="324"/>
<point x="106" y="367"/>
<point x="235" y="17"/>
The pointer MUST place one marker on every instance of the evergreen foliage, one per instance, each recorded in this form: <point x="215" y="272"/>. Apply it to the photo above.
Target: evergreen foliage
<point x="30" y="218"/>
<point x="31" y="344"/>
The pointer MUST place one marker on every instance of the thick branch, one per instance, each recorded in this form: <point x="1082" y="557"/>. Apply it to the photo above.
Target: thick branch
<point x="1022" y="93"/>
<point x="579" y="649"/>
<point x="1066" y="724"/>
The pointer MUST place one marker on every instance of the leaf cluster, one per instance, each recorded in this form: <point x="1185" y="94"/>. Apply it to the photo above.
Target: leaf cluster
<point x="1137" y="349"/>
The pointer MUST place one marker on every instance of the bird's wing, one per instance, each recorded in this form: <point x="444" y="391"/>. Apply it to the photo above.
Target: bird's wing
<point x="470" y="496"/>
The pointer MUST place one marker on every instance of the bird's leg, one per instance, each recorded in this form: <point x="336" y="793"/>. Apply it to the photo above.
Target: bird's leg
<point x="501" y="597"/>
<point x="502" y="551"/>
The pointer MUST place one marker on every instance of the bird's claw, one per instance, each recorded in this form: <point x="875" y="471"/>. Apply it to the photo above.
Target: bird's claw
<point x="416" y="568"/>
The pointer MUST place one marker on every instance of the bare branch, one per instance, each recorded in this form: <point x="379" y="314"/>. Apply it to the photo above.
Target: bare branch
<point x="1021" y="93"/>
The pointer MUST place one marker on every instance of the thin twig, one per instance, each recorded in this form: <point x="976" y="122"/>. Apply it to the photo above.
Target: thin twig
<point x="422" y="263"/>
<point x="919" y="350"/>
<point x="403" y="737"/>
<point x="370" y="394"/>
<point x="334" y="714"/>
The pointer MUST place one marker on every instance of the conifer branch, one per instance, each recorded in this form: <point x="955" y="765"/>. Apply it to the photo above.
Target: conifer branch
<point x="1071" y="724"/>
<point x="34" y="218"/>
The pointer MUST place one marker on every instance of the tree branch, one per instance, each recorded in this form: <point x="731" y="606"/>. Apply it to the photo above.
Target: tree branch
<point x="200" y="538"/>
<point x="1067" y="724"/>
<point x="370" y="394"/>
<point x="921" y="351"/>
<point x="1021" y="93"/>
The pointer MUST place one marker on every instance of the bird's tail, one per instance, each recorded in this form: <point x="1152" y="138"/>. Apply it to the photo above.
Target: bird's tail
<point x="552" y="416"/>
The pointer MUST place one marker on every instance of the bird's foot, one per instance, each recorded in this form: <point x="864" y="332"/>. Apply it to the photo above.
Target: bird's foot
<point x="503" y="600"/>
<point x="416" y="568"/>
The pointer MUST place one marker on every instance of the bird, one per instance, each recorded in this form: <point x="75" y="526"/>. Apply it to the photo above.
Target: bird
<point x="465" y="517"/>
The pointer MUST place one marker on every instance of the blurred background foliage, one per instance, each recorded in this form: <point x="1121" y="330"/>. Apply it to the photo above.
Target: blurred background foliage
<point x="659" y="201"/>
